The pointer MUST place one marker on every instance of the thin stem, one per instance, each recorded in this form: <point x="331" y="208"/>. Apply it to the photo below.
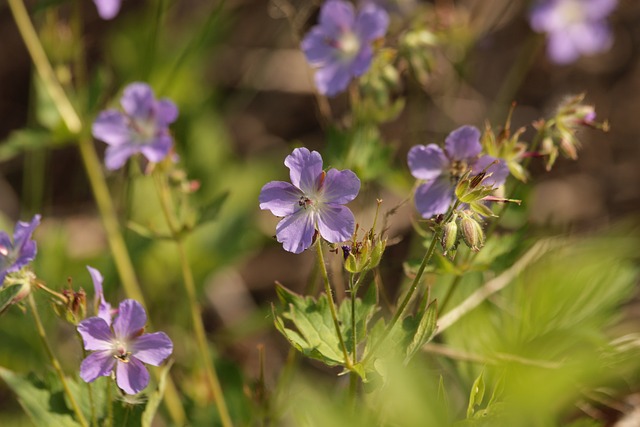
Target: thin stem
<point x="332" y="307"/>
<point x="43" y="67"/>
<point x="195" y="309"/>
<point x="96" y="179"/>
<point x="54" y="361"/>
<point x="109" y="404"/>
<point x="352" y="292"/>
<point x="92" y="404"/>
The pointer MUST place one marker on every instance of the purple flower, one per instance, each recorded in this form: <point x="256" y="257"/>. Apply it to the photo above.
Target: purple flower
<point x="573" y="27"/>
<point x="142" y="128"/>
<point x="14" y="256"/>
<point x="107" y="9"/>
<point x="123" y="346"/>
<point x="340" y="45"/>
<point x="314" y="200"/>
<point x="104" y="309"/>
<point x="441" y="169"/>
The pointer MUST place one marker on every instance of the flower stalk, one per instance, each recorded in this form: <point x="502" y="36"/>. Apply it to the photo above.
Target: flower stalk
<point x="332" y="306"/>
<point x="194" y="307"/>
<point x="54" y="362"/>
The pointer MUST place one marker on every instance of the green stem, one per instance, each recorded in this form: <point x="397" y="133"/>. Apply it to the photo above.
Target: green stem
<point x="54" y="361"/>
<point x="196" y="312"/>
<point x="96" y="179"/>
<point x="332" y="307"/>
<point x="92" y="404"/>
<point x="43" y="66"/>
<point x="109" y="404"/>
<point x="352" y="292"/>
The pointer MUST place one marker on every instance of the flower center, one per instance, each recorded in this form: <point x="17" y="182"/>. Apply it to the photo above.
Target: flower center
<point x="457" y="168"/>
<point x="120" y="352"/>
<point x="305" y="202"/>
<point x="145" y="130"/>
<point x="349" y="45"/>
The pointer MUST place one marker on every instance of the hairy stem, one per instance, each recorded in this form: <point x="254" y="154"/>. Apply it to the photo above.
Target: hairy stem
<point x="54" y="361"/>
<point x="332" y="307"/>
<point x="194" y="307"/>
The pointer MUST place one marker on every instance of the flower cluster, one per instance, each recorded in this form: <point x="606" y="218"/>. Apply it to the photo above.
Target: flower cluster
<point x="17" y="254"/>
<point x="313" y="200"/>
<point x="441" y="169"/>
<point x="120" y="344"/>
<point x="340" y="46"/>
<point x="573" y="27"/>
<point x="143" y="127"/>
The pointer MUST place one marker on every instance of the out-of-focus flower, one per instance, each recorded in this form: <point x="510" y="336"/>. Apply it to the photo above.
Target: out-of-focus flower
<point x="123" y="346"/>
<point x="143" y="127"/>
<point x="402" y="7"/>
<point x="441" y="169"/>
<point x="14" y="256"/>
<point x="107" y="9"/>
<point x="573" y="27"/>
<point x="340" y="46"/>
<point x="313" y="199"/>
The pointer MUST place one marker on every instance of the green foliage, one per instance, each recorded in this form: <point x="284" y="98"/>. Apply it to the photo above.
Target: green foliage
<point x="41" y="401"/>
<point x="7" y="296"/>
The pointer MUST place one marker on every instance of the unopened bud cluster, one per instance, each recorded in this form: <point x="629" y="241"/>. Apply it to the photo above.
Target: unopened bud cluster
<point x="463" y="225"/>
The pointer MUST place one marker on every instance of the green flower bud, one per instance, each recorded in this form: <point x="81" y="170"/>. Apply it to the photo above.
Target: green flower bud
<point x="376" y="253"/>
<point x="471" y="232"/>
<point x="450" y="235"/>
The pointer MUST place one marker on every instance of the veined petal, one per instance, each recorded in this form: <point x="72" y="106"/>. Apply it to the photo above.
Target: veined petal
<point x="333" y="78"/>
<point x="26" y="255"/>
<point x="24" y="230"/>
<point x="132" y="377"/>
<point x="166" y="112"/>
<point x="315" y="46"/>
<point x="463" y="143"/>
<point x="427" y="161"/>
<point x="280" y="197"/>
<point x="305" y="168"/>
<point x="499" y="171"/>
<point x="95" y="333"/>
<point x="116" y="156"/>
<point x="336" y="223"/>
<point x="337" y="16"/>
<point x="137" y="100"/>
<point x="104" y="308"/>
<point x="98" y="364"/>
<point x="434" y="197"/>
<point x="340" y="187"/>
<point x="130" y="320"/>
<point x="362" y="62"/>
<point x="152" y="348"/>
<point x="111" y="127"/>
<point x="371" y="23"/>
<point x="158" y="149"/>
<point x="296" y="231"/>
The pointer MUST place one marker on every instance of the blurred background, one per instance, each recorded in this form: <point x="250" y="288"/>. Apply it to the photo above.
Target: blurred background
<point x="246" y="98"/>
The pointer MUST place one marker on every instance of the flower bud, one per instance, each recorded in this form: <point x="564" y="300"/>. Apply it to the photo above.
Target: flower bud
<point x="376" y="253"/>
<point x="73" y="308"/>
<point x="450" y="235"/>
<point x="471" y="232"/>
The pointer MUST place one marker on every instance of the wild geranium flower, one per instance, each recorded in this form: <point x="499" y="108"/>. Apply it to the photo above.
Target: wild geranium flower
<point x="340" y="45"/>
<point x="441" y="169"/>
<point x="313" y="200"/>
<point x="107" y="9"/>
<point x="122" y="346"/>
<point x="143" y="127"/>
<point x="573" y="27"/>
<point x="15" y="255"/>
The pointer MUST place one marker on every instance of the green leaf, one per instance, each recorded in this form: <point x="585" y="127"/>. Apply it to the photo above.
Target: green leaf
<point x="41" y="405"/>
<point x="23" y="140"/>
<point x="476" y="395"/>
<point x="482" y="209"/>
<point x="80" y="391"/>
<point x="7" y="294"/>
<point x="315" y="334"/>
<point x="424" y="332"/>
